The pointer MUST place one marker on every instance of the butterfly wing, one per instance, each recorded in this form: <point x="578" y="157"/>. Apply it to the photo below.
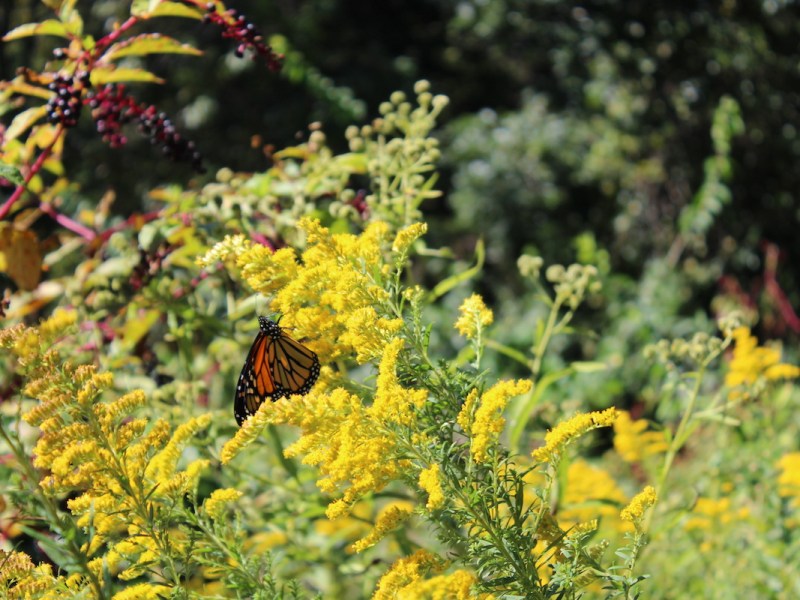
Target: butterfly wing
<point x="256" y="383"/>
<point x="295" y="368"/>
<point x="276" y="366"/>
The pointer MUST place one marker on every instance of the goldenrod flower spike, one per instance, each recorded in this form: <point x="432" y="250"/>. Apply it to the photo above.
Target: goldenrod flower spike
<point x="474" y="316"/>
<point x="430" y="482"/>
<point x="389" y="519"/>
<point x="634" y="512"/>
<point x="568" y="431"/>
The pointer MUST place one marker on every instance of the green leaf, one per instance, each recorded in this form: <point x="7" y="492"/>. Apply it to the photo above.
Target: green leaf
<point x="71" y="18"/>
<point x="150" y="43"/>
<point x="24" y="121"/>
<point x="352" y="162"/>
<point x="448" y="284"/>
<point x="586" y="366"/>
<point x="10" y="173"/>
<point x="521" y="410"/>
<point x="103" y="75"/>
<point x="49" y="27"/>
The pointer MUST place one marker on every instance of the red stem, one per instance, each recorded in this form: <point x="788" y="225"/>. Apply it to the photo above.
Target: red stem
<point x="35" y="168"/>
<point x="105" y="41"/>
<point x="66" y="222"/>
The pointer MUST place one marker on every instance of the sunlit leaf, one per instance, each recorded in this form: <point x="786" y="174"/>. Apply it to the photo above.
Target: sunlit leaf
<point x="149" y="44"/>
<point x="176" y="9"/>
<point x="24" y="121"/>
<point x="103" y="75"/>
<point x="20" y="256"/>
<point x="49" y="27"/>
<point x="154" y="8"/>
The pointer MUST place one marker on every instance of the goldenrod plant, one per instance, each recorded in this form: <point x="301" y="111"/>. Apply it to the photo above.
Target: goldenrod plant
<point x="435" y="455"/>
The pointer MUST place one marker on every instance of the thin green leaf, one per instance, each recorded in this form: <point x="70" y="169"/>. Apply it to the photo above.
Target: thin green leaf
<point x="448" y="284"/>
<point x="521" y="410"/>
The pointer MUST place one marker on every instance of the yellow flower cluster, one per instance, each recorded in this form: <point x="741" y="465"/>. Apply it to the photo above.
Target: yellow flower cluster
<point x="634" y="512"/>
<point x="142" y="591"/>
<point x="20" y="578"/>
<point x="334" y="293"/>
<point x="789" y="478"/>
<point x="565" y="433"/>
<point x="632" y="440"/>
<point x="405" y="572"/>
<point x="590" y="493"/>
<point x="482" y="420"/>
<point x="752" y="362"/>
<point x="474" y="317"/>
<point x="121" y="470"/>
<point x="710" y="513"/>
<point x="390" y="518"/>
<point x="454" y="586"/>
<point x="354" y="446"/>
<point x="215" y="505"/>
<point x="429" y="481"/>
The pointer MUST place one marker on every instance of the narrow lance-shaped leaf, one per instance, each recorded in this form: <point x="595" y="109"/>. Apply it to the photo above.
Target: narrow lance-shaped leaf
<point x="152" y="43"/>
<point x="49" y="27"/>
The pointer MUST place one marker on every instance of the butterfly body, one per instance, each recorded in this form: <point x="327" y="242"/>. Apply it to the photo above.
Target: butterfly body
<point x="276" y="366"/>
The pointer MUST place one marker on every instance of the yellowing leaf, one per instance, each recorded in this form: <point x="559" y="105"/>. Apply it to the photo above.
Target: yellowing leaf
<point x="135" y="329"/>
<point x="49" y="27"/>
<point x="176" y="9"/>
<point x="103" y="75"/>
<point x="149" y="44"/>
<point x="24" y="121"/>
<point x="20" y="256"/>
<point x="147" y="9"/>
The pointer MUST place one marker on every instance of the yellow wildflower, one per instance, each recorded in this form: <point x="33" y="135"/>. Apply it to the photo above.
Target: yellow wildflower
<point x="590" y="493"/>
<point x="789" y="478"/>
<point x="352" y="444"/>
<point x="634" y="512"/>
<point x="465" y="415"/>
<point x="488" y="422"/>
<point x="429" y="481"/>
<point x="261" y="542"/>
<point x="633" y="442"/>
<point x="406" y="237"/>
<point x="163" y="464"/>
<point x="332" y="294"/>
<point x="568" y="431"/>
<point x="142" y="591"/>
<point x="474" y="317"/>
<point x="751" y="362"/>
<point x="406" y="571"/>
<point x="394" y="403"/>
<point x="710" y="514"/>
<point x="454" y="586"/>
<point x="389" y="519"/>
<point x="215" y="505"/>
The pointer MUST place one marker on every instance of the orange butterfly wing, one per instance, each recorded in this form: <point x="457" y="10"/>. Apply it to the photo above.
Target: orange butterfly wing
<point x="276" y="366"/>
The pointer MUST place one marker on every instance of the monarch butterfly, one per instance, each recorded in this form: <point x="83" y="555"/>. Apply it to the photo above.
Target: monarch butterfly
<point x="276" y="366"/>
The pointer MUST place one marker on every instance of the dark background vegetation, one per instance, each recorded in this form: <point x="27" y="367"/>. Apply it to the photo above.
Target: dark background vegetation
<point x="578" y="131"/>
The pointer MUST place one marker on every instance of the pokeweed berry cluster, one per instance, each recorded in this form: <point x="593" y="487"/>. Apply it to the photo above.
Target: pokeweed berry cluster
<point x="112" y="108"/>
<point x="236" y="27"/>
<point x="64" y="107"/>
